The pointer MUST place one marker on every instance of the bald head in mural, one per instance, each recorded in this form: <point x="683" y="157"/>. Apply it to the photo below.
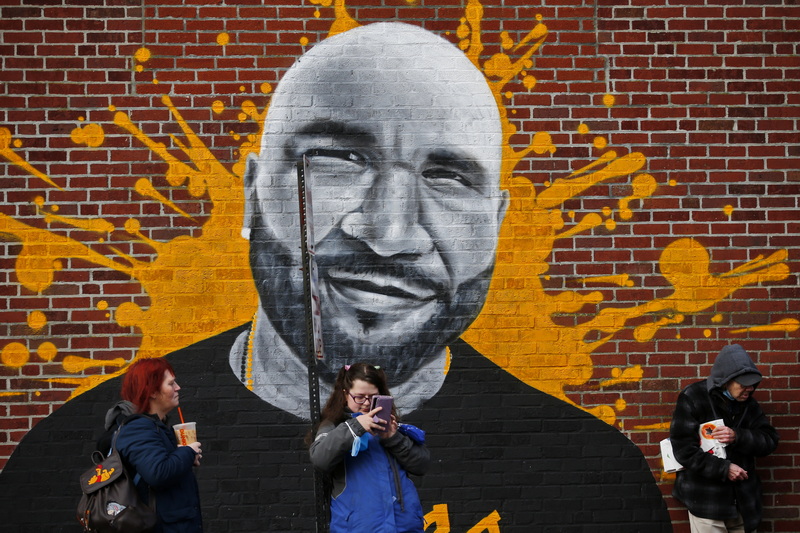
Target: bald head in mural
<point x="403" y="137"/>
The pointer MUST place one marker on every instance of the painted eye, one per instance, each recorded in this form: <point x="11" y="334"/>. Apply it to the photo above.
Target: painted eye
<point x="322" y="156"/>
<point x="444" y="175"/>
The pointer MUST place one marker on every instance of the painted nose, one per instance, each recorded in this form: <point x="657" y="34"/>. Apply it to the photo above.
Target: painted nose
<point x="388" y="219"/>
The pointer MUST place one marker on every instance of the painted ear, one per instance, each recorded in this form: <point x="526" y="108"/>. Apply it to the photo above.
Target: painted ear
<point x="505" y="200"/>
<point x="250" y="196"/>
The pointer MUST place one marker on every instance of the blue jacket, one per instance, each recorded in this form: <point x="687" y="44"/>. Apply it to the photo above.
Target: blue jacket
<point x="372" y="492"/>
<point x="149" y="449"/>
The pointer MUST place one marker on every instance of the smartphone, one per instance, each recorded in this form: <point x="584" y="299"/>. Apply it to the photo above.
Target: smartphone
<point x="386" y="402"/>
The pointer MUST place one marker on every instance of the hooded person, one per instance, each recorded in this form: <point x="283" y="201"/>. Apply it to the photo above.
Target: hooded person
<point x="722" y="491"/>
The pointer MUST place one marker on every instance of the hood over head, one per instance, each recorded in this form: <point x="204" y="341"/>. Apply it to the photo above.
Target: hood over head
<point x="732" y="362"/>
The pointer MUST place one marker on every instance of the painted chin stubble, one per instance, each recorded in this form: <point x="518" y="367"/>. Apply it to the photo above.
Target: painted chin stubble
<point x="280" y="287"/>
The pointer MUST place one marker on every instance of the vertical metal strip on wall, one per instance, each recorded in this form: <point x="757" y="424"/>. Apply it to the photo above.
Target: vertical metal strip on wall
<point x="313" y="335"/>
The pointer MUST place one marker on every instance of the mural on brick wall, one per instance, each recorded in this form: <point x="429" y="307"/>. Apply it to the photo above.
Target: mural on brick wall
<point x="433" y="253"/>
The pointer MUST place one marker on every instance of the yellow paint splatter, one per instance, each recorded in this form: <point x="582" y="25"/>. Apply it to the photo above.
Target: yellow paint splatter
<point x="92" y="135"/>
<point x="217" y="107"/>
<point x="440" y="516"/>
<point x="609" y="100"/>
<point x="505" y="41"/>
<point x="529" y="82"/>
<point x="47" y="351"/>
<point x="38" y="260"/>
<point x="223" y="39"/>
<point x="543" y="143"/>
<point x="145" y="188"/>
<point x="643" y="185"/>
<point x="74" y="364"/>
<point x="14" y="355"/>
<point x="95" y="225"/>
<point x="36" y="320"/>
<point x="787" y="325"/>
<point x="631" y="374"/>
<point x="342" y="19"/>
<point x="583" y="129"/>
<point x="620" y="405"/>
<point x="13" y="158"/>
<point x="488" y="524"/>
<point x="303" y="41"/>
<point x="621" y="280"/>
<point x="142" y="55"/>
<point x="219" y="257"/>
<point x="584" y="178"/>
<point x="653" y="427"/>
<point x="102" y="305"/>
<point x="728" y="210"/>
<point x="716" y="318"/>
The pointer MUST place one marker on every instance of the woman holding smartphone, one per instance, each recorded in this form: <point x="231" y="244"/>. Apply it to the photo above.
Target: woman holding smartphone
<point x="368" y="460"/>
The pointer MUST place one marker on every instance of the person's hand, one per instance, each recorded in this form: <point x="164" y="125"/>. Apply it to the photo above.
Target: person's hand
<point x="724" y="434"/>
<point x="198" y="452"/>
<point x="370" y="423"/>
<point x="391" y="429"/>
<point x="737" y="473"/>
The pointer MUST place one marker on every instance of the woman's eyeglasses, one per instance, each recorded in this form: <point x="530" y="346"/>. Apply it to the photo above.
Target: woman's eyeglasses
<point x="361" y="398"/>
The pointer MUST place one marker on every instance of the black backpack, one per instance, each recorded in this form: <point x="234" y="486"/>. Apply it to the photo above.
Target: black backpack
<point x="110" y="502"/>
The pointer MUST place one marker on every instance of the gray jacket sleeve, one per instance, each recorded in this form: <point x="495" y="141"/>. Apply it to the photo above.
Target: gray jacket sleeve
<point x="332" y="443"/>
<point x="414" y="458"/>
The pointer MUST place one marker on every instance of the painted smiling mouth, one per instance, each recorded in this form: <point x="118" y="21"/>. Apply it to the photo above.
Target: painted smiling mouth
<point x="377" y="287"/>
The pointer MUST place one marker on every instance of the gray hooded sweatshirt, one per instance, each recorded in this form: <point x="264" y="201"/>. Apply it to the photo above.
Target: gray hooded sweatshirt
<point x="731" y="363"/>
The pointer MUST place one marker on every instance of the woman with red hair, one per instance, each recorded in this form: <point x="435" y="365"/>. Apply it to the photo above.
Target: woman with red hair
<point x="150" y="450"/>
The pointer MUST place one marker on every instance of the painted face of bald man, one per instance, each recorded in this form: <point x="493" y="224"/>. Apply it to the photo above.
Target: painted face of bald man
<point x="403" y="137"/>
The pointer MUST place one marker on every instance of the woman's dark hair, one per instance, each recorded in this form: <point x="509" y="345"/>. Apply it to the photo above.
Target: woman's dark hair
<point x="143" y="379"/>
<point x="335" y="408"/>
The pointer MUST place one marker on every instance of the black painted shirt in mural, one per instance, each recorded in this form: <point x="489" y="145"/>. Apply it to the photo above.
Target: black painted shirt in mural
<point x="503" y="453"/>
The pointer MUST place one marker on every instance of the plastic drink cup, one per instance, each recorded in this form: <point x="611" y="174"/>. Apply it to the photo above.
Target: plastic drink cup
<point x="185" y="433"/>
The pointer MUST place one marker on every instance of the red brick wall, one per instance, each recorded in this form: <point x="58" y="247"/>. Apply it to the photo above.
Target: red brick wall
<point x="707" y="91"/>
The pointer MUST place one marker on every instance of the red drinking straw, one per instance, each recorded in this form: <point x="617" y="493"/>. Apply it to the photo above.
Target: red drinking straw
<point x="180" y="414"/>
